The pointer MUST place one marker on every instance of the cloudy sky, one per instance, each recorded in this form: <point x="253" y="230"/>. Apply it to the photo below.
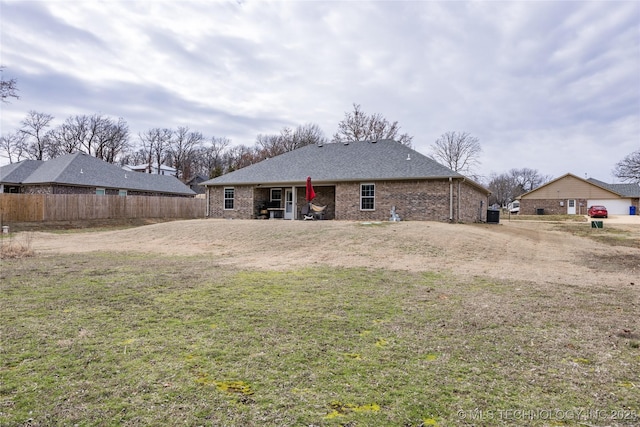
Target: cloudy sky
<point x="553" y="86"/>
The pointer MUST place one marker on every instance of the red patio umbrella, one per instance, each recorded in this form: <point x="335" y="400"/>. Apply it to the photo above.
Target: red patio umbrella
<point x="310" y="194"/>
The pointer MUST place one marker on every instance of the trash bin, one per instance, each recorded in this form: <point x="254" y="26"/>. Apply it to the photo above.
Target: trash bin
<point x="493" y="216"/>
<point x="596" y="224"/>
<point x="632" y="210"/>
<point x="540" y="211"/>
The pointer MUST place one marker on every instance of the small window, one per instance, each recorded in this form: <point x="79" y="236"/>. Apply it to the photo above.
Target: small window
<point x="122" y="193"/>
<point x="276" y="194"/>
<point x="367" y="197"/>
<point x="100" y="192"/>
<point x="229" y="195"/>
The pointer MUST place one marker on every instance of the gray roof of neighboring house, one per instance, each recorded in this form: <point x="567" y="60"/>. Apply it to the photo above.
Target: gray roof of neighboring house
<point x="627" y="190"/>
<point x="15" y="173"/>
<point x="339" y="162"/>
<point x="196" y="179"/>
<point x="82" y="170"/>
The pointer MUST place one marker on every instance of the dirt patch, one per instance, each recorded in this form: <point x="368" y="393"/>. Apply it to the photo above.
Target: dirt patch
<point x="523" y="251"/>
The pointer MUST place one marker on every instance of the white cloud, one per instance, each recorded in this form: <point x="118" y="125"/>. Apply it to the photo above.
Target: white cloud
<point x="539" y="82"/>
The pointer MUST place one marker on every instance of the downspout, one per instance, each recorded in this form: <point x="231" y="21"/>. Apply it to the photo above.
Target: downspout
<point x="450" y="199"/>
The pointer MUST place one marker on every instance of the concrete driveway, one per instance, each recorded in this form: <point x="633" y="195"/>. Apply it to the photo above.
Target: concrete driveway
<point x="619" y="219"/>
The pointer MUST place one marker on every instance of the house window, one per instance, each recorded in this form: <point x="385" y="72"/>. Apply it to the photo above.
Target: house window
<point x="229" y="195"/>
<point x="100" y="192"/>
<point x="122" y="193"/>
<point x="276" y="194"/>
<point x="367" y="197"/>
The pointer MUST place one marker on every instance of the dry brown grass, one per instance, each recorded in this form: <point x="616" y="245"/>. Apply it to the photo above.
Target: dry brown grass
<point x="324" y="323"/>
<point x="12" y="247"/>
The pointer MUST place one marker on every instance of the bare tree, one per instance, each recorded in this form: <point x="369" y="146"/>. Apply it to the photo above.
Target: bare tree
<point x="504" y="189"/>
<point x="527" y="179"/>
<point x="155" y="144"/>
<point x="96" y="135"/>
<point x="210" y="157"/>
<point x="241" y="156"/>
<point x="269" y="145"/>
<point x="8" y="88"/>
<point x="459" y="151"/>
<point x="359" y="126"/>
<point x="289" y="140"/>
<point x="307" y="134"/>
<point x="181" y="150"/>
<point x="628" y="169"/>
<point x="13" y="144"/>
<point x="133" y="157"/>
<point x="114" y="140"/>
<point x="34" y="129"/>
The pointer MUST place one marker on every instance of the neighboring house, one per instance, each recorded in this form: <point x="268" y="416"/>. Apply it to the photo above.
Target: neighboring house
<point x="11" y="176"/>
<point x="152" y="169"/>
<point x="80" y="173"/>
<point x="570" y="194"/>
<point x="355" y="181"/>
<point x="194" y="184"/>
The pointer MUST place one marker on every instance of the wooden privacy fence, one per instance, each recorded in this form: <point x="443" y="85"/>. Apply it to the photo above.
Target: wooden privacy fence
<point x="72" y="207"/>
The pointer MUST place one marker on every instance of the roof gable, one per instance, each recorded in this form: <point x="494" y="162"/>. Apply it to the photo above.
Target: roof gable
<point x="569" y="186"/>
<point x="80" y="169"/>
<point x="353" y="161"/>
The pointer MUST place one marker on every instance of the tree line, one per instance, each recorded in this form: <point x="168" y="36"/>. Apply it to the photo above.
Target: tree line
<point x="190" y="152"/>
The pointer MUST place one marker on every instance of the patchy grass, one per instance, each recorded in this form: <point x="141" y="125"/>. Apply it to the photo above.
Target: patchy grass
<point x="105" y="339"/>
<point x="610" y="235"/>
<point x="548" y="218"/>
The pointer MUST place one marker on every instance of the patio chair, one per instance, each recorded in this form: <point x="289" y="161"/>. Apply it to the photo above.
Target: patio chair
<point x="312" y="212"/>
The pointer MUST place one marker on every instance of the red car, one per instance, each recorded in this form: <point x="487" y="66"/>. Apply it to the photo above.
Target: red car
<point x="598" y="211"/>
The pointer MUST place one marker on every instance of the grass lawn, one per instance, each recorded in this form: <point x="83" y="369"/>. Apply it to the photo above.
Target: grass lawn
<point x="110" y="339"/>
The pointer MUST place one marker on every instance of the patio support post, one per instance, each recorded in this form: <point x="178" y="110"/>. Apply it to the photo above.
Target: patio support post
<point x="294" y="212"/>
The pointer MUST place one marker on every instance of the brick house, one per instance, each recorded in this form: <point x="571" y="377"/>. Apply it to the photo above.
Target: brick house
<point x="572" y="195"/>
<point x="360" y="181"/>
<point x="80" y="173"/>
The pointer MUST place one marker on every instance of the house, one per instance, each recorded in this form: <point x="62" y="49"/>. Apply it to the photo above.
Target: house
<point x="362" y="180"/>
<point x="11" y="176"/>
<point x="572" y="195"/>
<point x="152" y="169"/>
<point x="194" y="183"/>
<point x="80" y="173"/>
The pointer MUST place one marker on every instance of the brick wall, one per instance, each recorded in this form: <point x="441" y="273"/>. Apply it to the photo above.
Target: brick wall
<point x="243" y="208"/>
<point x="550" y="206"/>
<point x="414" y="201"/>
<point x="69" y="189"/>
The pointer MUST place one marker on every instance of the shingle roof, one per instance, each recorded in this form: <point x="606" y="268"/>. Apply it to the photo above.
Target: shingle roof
<point x="330" y="163"/>
<point x="80" y="169"/>
<point x="627" y="190"/>
<point x="15" y="173"/>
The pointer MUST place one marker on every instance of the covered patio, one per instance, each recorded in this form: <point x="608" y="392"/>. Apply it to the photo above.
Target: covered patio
<point x="288" y="202"/>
